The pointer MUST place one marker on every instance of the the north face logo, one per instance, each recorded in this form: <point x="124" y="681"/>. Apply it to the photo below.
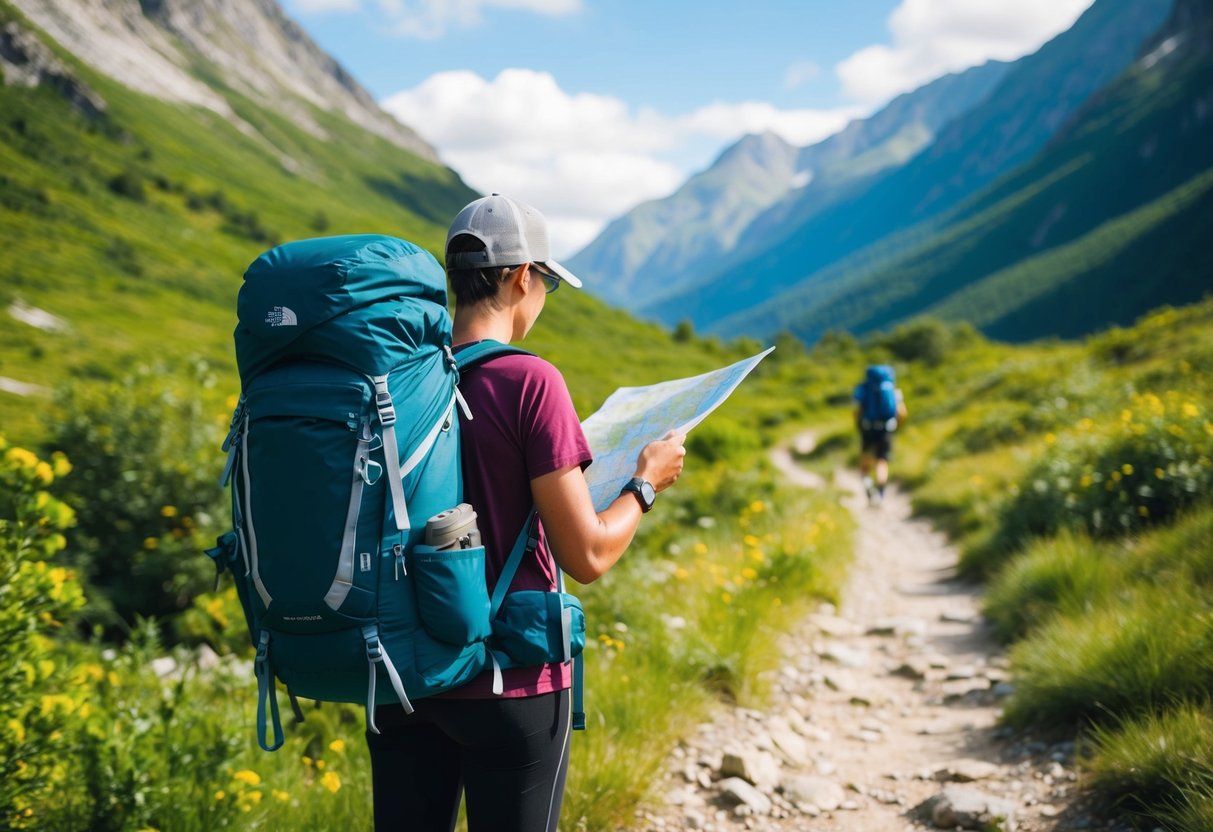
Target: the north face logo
<point x="281" y="316"/>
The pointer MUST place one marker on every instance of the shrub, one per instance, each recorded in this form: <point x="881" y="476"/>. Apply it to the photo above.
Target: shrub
<point x="1152" y="462"/>
<point x="144" y="490"/>
<point x="36" y="601"/>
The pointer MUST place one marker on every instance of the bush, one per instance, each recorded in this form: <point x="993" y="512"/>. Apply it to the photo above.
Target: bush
<point x="144" y="490"/>
<point x="37" y="600"/>
<point x="1154" y="461"/>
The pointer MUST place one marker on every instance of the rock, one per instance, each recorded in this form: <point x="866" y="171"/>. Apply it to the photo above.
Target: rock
<point x="832" y="625"/>
<point x="844" y="656"/>
<point x="739" y="792"/>
<point x="958" y="616"/>
<point x="207" y="659"/>
<point x="964" y="807"/>
<point x="966" y="771"/>
<point x="961" y="671"/>
<point x="913" y="669"/>
<point x="756" y="767"/>
<point x="164" y="666"/>
<point x="794" y="749"/>
<point x="824" y="794"/>
<point x="898" y="626"/>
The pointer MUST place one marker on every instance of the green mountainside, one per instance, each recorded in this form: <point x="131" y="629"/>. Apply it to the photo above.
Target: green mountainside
<point x="1036" y="98"/>
<point x="128" y="222"/>
<point x="1109" y="220"/>
<point x="763" y="184"/>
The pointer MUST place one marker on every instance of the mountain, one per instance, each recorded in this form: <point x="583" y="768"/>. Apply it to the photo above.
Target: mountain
<point x="764" y="181"/>
<point x="1110" y="219"/>
<point x="187" y="51"/>
<point x="1038" y="95"/>
<point x="144" y="164"/>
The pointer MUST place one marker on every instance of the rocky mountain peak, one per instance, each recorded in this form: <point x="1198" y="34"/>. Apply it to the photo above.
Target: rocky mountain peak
<point x="151" y="45"/>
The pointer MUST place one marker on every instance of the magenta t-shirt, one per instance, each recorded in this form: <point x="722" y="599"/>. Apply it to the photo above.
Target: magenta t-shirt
<point x="523" y="426"/>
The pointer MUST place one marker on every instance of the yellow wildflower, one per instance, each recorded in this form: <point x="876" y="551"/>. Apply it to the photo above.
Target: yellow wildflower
<point x="1190" y="410"/>
<point x="248" y="776"/>
<point x="320" y="764"/>
<point x="1085" y="481"/>
<point x="151" y="543"/>
<point x="1144" y="511"/>
<point x="60" y="464"/>
<point x="17" y="729"/>
<point x="43" y="473"/>
<point x="280" y="795"/>
<point x="1085" y="424"/>
<point x="757" y="556"/>
<point x="308" y="761"/>
<point x="1127" y="469"/>
<point x="331" y="782"/>
<point x="758" y="506"/>
<point x="1160" y="473"/>
<point x="726" y="597"/>
<point x="1050" y="438"/>
<point x="338" y="746"/>
<point x="776" y="602"/>
<point x="23" y="458"/>
<point x="168" y="511"/>
<point x="700" y="548"/>
<point x="749" y="573"/>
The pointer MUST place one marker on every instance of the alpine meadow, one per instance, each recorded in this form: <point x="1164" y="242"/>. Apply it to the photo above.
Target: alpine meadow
<point x="1031" y="259"/>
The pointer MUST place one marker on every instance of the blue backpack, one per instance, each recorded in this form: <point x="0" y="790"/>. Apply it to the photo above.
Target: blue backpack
<point x="878" y="399"/>
<point x="344" y="442"/>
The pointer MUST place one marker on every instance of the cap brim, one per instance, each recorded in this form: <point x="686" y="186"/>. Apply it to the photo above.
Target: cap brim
<point x="563" y="273"/>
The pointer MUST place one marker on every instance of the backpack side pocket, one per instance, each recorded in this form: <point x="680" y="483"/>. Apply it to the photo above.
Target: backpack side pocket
<point x="452" y="598"/>
<point x="536" y="627"/>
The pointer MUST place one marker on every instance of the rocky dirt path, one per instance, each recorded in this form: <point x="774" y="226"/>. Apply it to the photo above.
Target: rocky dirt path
<point x="883" y="717"/>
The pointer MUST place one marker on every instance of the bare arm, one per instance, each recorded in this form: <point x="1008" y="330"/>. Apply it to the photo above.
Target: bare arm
<point x="587" y="543"/>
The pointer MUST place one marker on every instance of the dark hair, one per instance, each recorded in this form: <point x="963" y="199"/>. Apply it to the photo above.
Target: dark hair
<point x="473" y="285"/>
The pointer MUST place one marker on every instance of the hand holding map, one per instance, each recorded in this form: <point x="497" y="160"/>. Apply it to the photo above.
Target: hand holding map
<point x="632" y="417"/>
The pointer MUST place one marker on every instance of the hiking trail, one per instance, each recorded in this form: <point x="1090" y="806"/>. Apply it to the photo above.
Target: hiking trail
<point x="883" y="715"/>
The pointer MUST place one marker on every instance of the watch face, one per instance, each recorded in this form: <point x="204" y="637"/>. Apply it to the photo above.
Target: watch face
<point x="647" y="492"/>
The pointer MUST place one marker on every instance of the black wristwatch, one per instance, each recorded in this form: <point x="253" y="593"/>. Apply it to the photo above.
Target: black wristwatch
<point x="643" y="489"/>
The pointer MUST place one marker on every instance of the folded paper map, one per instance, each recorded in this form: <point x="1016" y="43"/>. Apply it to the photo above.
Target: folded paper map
<point x="632" y="417"/>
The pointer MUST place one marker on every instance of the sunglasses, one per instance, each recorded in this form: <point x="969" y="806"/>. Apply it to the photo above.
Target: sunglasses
<point x="551" y="282"/>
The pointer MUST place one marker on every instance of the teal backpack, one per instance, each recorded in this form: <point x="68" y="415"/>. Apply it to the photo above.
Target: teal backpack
<point x="344" y="442"/>
<point x="878" y="399"/>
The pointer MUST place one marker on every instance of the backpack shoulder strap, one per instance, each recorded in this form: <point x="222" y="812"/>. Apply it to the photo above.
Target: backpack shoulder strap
<point x="467" y="357"/>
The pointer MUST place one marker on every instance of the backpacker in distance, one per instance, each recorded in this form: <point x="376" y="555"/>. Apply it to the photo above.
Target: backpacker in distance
<point x="878" y="399"/>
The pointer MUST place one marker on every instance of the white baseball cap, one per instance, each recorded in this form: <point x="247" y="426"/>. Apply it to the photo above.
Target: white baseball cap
<point x="513" y="233"/>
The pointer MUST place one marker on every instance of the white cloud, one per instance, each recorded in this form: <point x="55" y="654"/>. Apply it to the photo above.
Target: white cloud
<point x="800" y="73"/>
<point x="324" y="6"/>
<point x="431" y="19"/>
<point x="582" y="159"/>
<point x="934" y="37"/>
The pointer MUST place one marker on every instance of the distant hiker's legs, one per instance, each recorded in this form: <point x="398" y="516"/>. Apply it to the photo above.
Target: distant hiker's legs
<point x="512" y="756"/>
<point x="884" y="449"/>
<point x="415" y="773"/>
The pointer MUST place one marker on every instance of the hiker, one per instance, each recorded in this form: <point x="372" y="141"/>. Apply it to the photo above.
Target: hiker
<point x="522" y="448"/>
<point x="879" y="408"/>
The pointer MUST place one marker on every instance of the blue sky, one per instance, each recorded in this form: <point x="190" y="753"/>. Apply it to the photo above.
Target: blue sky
<point x="587" y="107"/>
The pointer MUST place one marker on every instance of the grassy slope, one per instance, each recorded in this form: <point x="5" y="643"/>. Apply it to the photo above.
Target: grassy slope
<point x="151" y="273"/>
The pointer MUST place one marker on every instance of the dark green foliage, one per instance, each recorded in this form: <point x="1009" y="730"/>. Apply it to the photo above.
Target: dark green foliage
<point x="143" y="487"/>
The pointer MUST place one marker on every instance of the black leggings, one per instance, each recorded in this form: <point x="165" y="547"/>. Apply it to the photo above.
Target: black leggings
<point x="511" y="755"/>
